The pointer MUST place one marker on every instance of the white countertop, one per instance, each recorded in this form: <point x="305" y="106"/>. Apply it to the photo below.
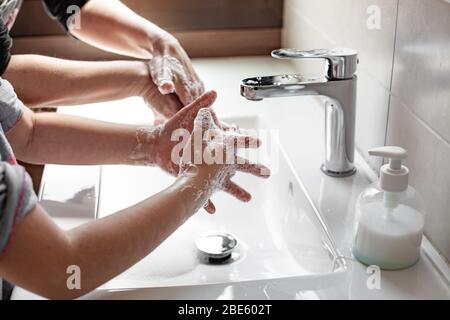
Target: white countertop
<point x="297" y="120"/>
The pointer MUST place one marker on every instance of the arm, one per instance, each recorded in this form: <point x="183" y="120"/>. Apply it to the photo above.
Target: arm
<point x="43" y="81"/>
<point x="106" y="247"/>
<point x="102" y="249"/>
<point x="116" y="28"/>
<point x="112" y="26"/>
<point x="63" y="139"/>
<point x="46" y="138"/>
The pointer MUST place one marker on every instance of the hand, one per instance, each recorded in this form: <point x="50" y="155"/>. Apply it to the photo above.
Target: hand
<point x="163" y="106"/>
<point x="213" y="161"/>
<point x="172" y="70"/>
<point x="156" y="146"/>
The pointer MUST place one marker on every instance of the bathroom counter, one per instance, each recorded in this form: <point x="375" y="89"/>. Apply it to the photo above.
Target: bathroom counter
<point x="300" y="126"/>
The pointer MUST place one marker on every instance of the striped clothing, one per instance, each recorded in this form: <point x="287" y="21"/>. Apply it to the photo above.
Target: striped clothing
<point x="17" y="197"/>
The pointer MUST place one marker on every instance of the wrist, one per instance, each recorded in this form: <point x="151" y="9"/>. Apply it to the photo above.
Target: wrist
<point x="146" y="150"/>
<point x="142" y="79"/>
<point x="163" y="42"/>
<point x="150" y="36"/>
<point x="193" y="188"/>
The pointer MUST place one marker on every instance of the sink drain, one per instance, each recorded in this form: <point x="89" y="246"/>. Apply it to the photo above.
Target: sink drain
<point x="217" y="248"/>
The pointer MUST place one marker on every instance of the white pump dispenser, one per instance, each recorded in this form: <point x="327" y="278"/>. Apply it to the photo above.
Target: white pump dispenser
<point x="389" y="216"/>
<point x="393" y="176"/>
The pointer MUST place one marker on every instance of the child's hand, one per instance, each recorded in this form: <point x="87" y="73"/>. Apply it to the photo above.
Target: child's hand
<point x="157" y="147"/>
<point x="210" y="160"/>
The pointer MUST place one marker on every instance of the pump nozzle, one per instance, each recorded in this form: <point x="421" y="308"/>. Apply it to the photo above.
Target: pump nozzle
<point x="395" y="154"/>
<point x="393" y="176"/>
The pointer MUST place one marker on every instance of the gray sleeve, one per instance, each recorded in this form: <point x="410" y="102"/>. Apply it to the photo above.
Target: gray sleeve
<point x="11" y="108"/>
<point x="17" y="198"/>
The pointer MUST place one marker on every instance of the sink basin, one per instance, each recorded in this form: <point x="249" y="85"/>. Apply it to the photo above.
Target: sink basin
<point x="279" y="232"/>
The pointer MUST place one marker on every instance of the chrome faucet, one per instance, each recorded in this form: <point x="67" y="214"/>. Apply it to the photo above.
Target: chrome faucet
<point x="339" y="86"/>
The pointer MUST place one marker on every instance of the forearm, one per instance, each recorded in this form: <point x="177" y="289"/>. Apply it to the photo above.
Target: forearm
<point x="41" y="81"/>
<point x="114" y="27"/>
<point x="101" y="249"/>
<point x="131" y="234"/>
<point x="64" y="139"/>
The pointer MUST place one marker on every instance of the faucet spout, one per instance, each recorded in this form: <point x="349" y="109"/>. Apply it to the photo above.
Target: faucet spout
<point x="340" y="105"/>
<point x="287" y="85"/>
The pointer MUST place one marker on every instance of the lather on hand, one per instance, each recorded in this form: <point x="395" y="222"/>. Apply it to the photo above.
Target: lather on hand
<point x="155" y="145"/>
<point x="172" y="70"/>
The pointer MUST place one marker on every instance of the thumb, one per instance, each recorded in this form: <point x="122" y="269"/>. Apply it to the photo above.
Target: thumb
<point x="166" y="86"/>
<point x="185" y="117"/>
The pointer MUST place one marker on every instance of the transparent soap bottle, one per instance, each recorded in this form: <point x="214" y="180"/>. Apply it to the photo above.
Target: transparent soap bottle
<point x="390" y="216"/>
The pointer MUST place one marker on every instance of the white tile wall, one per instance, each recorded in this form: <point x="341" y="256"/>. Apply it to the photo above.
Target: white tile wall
<point x="404" y="83"/>
<point x="419" y="116"/>
<point x="331" y="23"/>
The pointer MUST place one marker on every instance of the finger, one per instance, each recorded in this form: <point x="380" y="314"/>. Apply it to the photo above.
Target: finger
<point x="222" y="125"/>
<point x="165" y="80"/>
<point x="204" y="120"/>
<point x="185" y="85"/>
<point x="166" y="86"/>
<point x="210" y="207"/>
<point x="248" y="142"/>
<point x="187" y="115"/>
<point x="187" y="64"/>
<point x="182" y="87"/>
<point x="255" y="169"/>
<point x="225" y="126"/>
<point x="162" y="75"/>
<point x="231" y="127"/>
<point x="196" y="86"/>
<point x="165" y="105"/>
<point x="174" y="78"/>
<point x="216" y="120"/>
<point x="199" y="86"/>
<point x="237" y="191"/>
<point x="193" y="90"/>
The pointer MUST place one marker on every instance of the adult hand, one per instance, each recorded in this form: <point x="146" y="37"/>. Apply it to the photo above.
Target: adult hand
<point x="172" y="70"/>
<point x="165" y="106"/>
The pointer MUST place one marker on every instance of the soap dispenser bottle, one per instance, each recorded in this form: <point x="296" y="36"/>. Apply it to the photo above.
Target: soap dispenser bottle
<point x="390" y="216"/>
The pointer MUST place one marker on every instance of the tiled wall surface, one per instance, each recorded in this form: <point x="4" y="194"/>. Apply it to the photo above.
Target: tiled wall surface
<point x="404" y="83"/>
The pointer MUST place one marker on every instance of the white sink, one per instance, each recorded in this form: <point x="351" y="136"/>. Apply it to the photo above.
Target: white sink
<point x="280" y="234"/>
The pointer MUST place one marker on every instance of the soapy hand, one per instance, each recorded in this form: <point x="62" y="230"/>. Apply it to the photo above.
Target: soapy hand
<point x="214" y="161"/>
<point x="172" y="70"/>
<point x="163" y="106"/>
<point x="157" y="147"/>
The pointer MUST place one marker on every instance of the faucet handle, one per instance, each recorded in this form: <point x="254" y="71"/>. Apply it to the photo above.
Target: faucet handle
<point x="341" y="62"/>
